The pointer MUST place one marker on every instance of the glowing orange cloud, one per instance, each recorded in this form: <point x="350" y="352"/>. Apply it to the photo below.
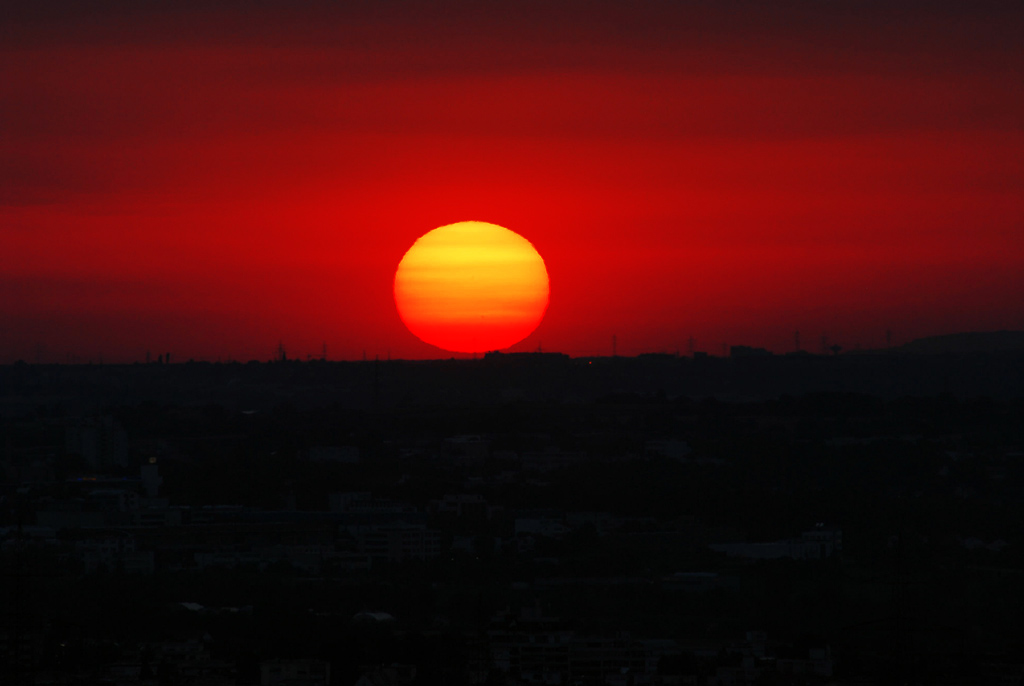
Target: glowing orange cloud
<point x="471" y="287"/>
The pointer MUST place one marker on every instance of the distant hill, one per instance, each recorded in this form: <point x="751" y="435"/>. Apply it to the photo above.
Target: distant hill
<point x="971" y="342"/>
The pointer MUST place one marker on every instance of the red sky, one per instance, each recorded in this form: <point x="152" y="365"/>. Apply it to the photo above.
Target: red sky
<point x="209" y="182"/>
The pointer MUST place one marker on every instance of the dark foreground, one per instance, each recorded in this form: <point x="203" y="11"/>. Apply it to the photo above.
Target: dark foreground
<point x="515" y="520"/>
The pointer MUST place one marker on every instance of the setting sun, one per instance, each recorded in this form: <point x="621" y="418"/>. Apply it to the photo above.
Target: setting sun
<point x="471" y="287"/>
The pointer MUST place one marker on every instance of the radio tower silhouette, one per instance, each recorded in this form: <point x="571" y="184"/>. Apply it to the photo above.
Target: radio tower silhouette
<point x="796" y="340"/>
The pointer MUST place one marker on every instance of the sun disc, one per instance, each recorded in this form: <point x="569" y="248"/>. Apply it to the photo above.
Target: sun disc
<point x="471" y="287"/>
